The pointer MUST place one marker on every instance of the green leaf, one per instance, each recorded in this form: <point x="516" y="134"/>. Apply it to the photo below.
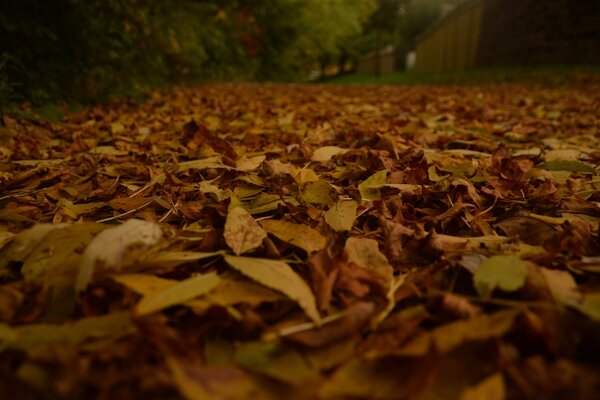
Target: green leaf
<point x="299" y="235"/>
<point x="318" y="192"/>
<point x="177" y="293"/>
<point x="591" y="306"/>
<point x="276" y="361"/>
<point x="369" y="188"/>
<point x="504" y="272"/>
<point x="574" y="166"/>
<point x="279" y="276"/>
<point x="342" y="215"/>
<point x="242" y="233"/>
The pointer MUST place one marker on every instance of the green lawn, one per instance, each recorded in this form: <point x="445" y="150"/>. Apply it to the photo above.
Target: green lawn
<point x="556" y="75"/>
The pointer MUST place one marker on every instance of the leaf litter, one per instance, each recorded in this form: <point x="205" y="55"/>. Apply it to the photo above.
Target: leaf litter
<point x="318" y="242"/>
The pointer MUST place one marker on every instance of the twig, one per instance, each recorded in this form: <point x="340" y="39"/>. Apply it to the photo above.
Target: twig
<point x="126" y="213"/>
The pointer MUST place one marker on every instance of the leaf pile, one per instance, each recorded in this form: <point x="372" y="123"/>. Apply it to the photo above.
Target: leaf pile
<point x="306" y="242"/>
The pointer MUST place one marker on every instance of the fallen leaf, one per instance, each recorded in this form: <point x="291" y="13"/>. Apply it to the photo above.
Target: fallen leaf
<point x="224" y="382"/>
<point x="480" y="327"/>
<point x="365" y="253"/>
<point x="68" y="334"/>
<point x="144" y="284"/>
<point x="109" y="246"/>
<point x="325" y="153"/>
<point x="275" y="360"/>
<point x="177" y="293"/>
<point x="23" y="244"/>
<point x="298" y="235"/>
<point x="491" y="388"/>
<point x="591" y="306"/>
<point x="318" y="192"/>
<point x="504" y="272"/>
<point x="242" y="233"/>
<point x="574" y="166"/>
<point x="341" y="215"/>
<point x="369" y="188"/>
<point x="279" y="276"/>
<point x="562" y="286"/>
<point x="250" y="164"/>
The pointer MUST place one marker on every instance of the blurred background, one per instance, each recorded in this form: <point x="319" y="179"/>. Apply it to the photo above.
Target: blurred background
<point x="91" y="50"/>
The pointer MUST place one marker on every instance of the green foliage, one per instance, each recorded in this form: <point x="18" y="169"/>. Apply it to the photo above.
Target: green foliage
<point x="90" y="50"/>
<point x="329" y="24"/>
<point x="8" y="87"/>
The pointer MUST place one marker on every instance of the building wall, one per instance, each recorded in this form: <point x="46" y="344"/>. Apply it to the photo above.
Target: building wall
<point x="512" y="32"/>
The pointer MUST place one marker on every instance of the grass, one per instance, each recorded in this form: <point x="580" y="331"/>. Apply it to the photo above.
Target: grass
<point x="553" y="75"/>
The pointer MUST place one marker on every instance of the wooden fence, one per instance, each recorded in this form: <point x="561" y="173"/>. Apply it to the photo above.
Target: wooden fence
<point x="512" y="32"/>
<point x="452" y="43"/>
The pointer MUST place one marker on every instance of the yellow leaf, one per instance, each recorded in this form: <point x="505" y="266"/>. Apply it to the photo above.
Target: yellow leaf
<point x="325" y="153"/>
<point x="341" y="216"/>
<point x="369" y="188"/>
<point x="318" y="192"/>
<point x="562" y="286"/>
<point x="242" y="233"/>
<point x="178" y="293"/>
<point x="203" y="163"/>
<point x="250" y="164"/>
<point x="69" y="334"/>
<point x="279" y="276"/>
<point x="275" y="360"/>
<point x="25" y="242"/>
<point x="305" y="175"/>
<point x="491" y="388"/>
<point x="365" y="253"/>
<point x="295" y="234"/>
<point x="480" y="327"/>
<point x="196" y="382"/>
<point x="56" y="257"/>
<point x="144" y="284"/>
<point x="169" y="259"/>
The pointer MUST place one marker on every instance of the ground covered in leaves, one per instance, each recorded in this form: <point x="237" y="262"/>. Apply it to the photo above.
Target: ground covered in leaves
<point x="305" y="242"/>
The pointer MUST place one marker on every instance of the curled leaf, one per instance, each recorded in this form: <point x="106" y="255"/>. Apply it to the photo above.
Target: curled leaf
<point x="109" y="246"/>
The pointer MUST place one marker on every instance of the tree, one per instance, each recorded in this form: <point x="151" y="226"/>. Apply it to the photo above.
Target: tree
<point x="329" y="26"/>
